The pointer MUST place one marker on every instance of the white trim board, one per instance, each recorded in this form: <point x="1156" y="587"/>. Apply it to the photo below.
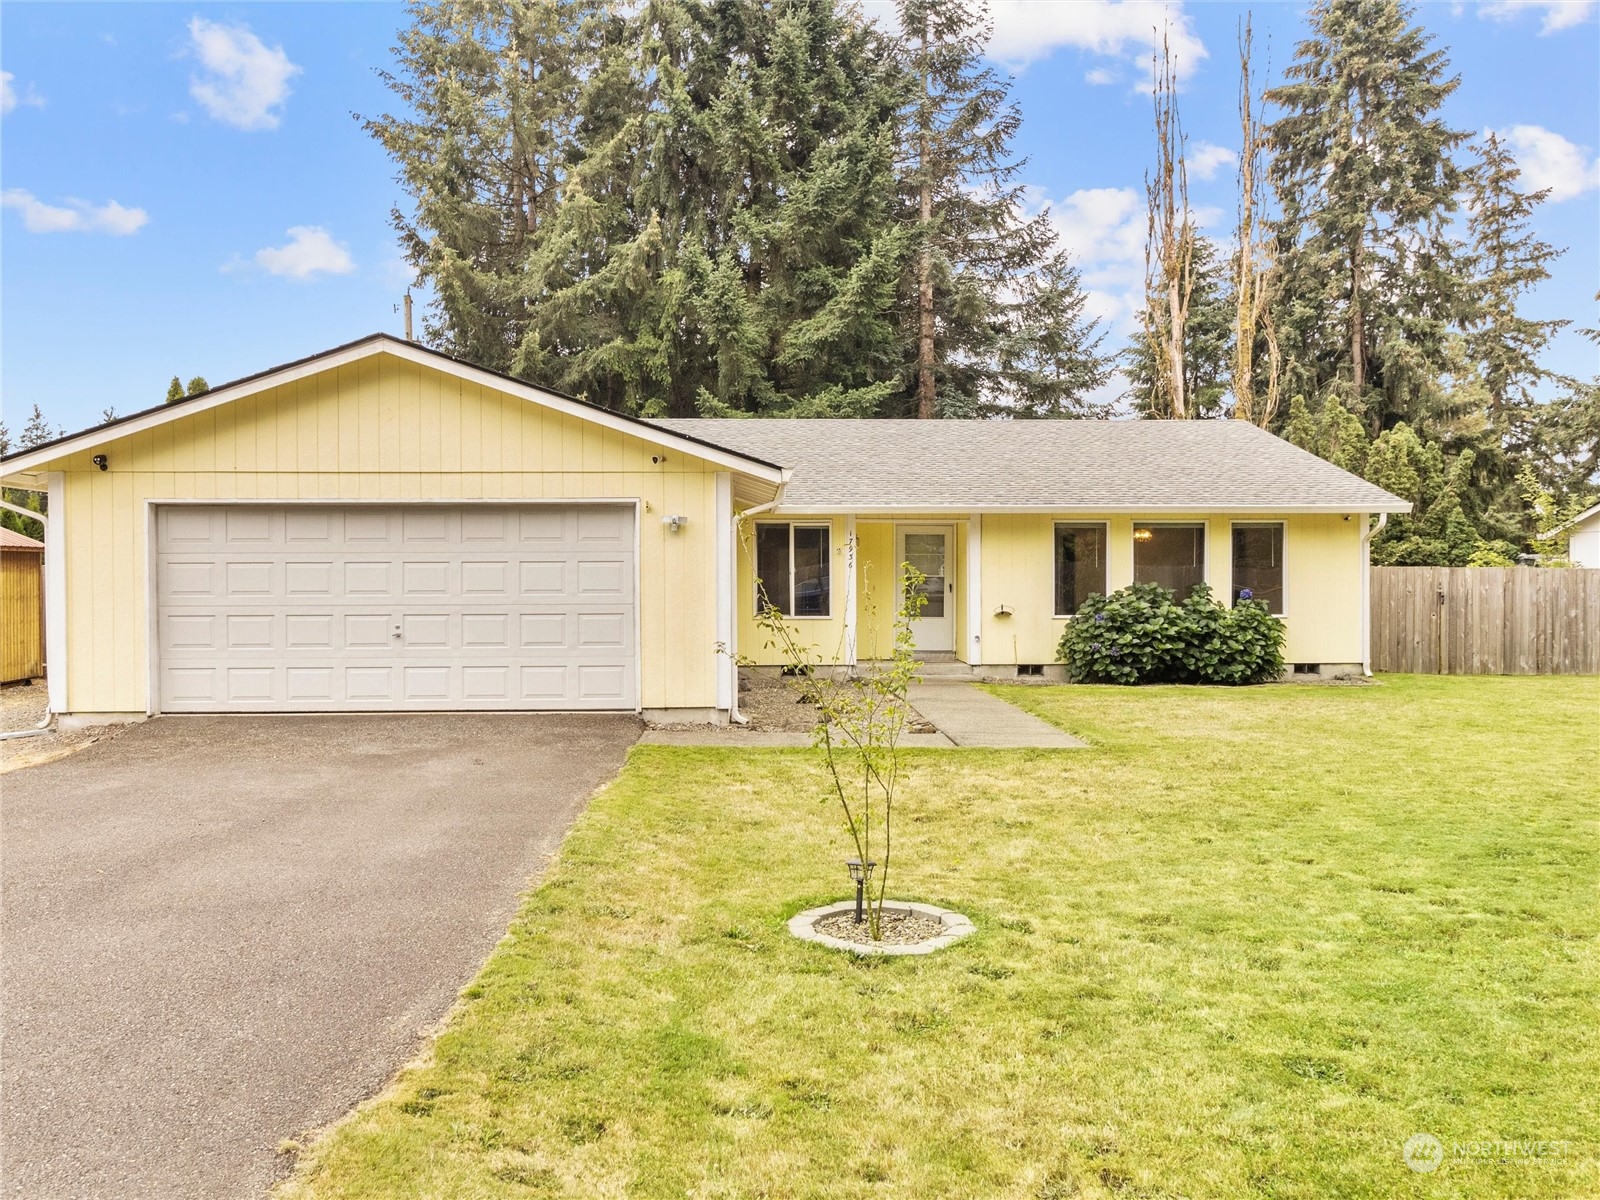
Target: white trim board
<point x="30" y="460"/>
<point x="912" y="513"/>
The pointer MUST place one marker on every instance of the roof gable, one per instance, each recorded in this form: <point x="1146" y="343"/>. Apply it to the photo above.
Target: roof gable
<point x="32" y="459"/>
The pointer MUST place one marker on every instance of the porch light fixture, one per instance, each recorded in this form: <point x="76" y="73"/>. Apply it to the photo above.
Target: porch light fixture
<point x="99" y="460"/>
<point x="1143" y="535"/>
<point x="862" y="876"/>
<point x="674" y="522"/>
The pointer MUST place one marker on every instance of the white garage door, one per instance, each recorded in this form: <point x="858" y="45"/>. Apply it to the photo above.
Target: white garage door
<point x="310" y="607"/>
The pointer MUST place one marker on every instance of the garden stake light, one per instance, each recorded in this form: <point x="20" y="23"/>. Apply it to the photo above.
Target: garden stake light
<point x="862" y="878"/>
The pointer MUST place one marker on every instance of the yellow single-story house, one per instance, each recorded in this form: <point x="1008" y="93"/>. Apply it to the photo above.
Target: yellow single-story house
<point x="382" y="527"/>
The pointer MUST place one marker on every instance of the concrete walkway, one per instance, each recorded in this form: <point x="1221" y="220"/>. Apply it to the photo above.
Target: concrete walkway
<point x="767" y="739"/>
<point x="970" y="717"/>
<point x="965" y="714"/>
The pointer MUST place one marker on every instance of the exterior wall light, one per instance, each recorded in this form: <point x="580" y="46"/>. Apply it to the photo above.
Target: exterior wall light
<point x="862" y="876"/>
<point x="99" y="460"/>
<point x="675" y="522"/>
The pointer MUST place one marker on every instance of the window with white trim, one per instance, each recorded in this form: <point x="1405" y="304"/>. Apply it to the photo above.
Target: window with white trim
<point x="793" y="568"/>
<point x="1173" y="555"/>
<point x="1258" y="563"/>
<point x="1080" y="565"/>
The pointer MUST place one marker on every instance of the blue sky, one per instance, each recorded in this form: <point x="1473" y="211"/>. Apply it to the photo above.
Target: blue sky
<point x="186" y="191"/>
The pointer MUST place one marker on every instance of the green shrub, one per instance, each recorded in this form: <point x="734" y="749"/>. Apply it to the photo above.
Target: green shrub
<point x="1142" y="635"/>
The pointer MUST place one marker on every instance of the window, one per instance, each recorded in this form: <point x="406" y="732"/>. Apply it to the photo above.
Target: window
<point x="1080" y="565"/>
<point x="1172" y="555"/>
<point x="793" y="568"/>
<point x="1258" y="564"/>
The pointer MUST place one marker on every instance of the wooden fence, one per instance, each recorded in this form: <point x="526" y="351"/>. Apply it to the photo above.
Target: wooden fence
<point x="21" y="614"/>
<point x="1486" y="620"/>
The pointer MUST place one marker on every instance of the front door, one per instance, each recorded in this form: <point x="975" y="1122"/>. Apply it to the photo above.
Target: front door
<point x="927" y="548"/>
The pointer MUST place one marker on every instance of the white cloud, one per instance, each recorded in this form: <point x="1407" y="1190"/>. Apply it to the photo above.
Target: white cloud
<point x="1548" y="160"/>
<point x="78" y="216"/>
<point x="1100" y="76"/>
<point x="1104" y="231"/>
<point x="310" y="251"/>
<point x="1127" y="30"/>
<point x="244" y="81"/>
<point x="1026" y="31"/>
<point x="10" y="98"/>
<point x="1205" y="160"/>
<point x="1557" y="14"/>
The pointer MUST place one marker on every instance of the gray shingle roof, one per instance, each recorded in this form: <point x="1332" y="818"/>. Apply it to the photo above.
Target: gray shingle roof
<point x="1101" y="465"/>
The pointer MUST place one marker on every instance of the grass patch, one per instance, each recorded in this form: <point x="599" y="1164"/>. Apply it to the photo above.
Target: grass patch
<point x="1246" y="945"/>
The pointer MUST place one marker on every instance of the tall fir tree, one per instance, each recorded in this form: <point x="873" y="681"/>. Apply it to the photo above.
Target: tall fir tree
<point x="1366" y="179"/>
<point x="491" y="92"/>
<point x="987" y="279"/>
<point x="1507" y="261"/>
<point x="676" y="207"/>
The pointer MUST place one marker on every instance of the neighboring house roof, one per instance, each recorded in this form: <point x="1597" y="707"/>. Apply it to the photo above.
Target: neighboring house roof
<point x="10" y="539"/>
<point x="1591" y="511"/>
<point x="1092" y="466"/>
<point x="381" y="343"/>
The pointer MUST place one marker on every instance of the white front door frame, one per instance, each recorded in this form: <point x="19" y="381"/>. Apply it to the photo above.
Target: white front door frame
<point x="932" y="634"/>
<point x="973" y="584"/>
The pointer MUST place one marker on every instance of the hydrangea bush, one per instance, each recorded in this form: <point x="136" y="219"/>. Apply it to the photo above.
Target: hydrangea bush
<point x="1141" y="634"/>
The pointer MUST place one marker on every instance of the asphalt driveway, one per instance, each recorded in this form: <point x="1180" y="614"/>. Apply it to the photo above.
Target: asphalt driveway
<point x="219" y="932"/>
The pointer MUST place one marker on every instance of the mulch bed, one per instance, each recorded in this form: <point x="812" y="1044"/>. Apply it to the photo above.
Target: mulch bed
<point x="899" y="928"/>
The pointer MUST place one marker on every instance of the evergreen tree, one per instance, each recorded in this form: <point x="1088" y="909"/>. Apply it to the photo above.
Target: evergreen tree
<point x="689" y="207"/>
<point x="1364" y="170"/>
<point x="987" y="279"/>
<point x="1564" y="439"/>
<point x="1507" y="260"/>
<point x="1207" y="345"/>
<point x="174" y="390"/>
<point x="35" y="433"/>
<point x="994" y="314"/>
<point x="1049" y="358"/>
<point x="197" y="385"/>
<point x="492" y="90"/>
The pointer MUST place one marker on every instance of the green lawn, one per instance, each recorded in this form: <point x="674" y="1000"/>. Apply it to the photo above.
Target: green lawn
<point x="1246" y="945"/>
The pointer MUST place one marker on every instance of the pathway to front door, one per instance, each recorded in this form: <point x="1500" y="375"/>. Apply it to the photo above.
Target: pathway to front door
<point x="928" y="549"/>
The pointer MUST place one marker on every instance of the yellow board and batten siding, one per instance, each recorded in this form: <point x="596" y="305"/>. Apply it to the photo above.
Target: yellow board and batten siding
<point x="1322" y="580"/>
<point x="1322" y="583"/>
<point x="380" y="429"/>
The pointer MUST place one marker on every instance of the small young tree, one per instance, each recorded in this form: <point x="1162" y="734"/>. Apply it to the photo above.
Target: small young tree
<point x="861" y="716"/>
<point x="174" y="390"/>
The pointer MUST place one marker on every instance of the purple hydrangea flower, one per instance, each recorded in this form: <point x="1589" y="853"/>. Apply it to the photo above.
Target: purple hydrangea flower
<point x="1100" y="617"/>
<point x="1246" y="594"/>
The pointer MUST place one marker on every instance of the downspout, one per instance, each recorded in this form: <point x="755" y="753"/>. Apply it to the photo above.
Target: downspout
<point x="1366" y="591"/>
<point x="735" y="717"/>
<point x="44" y="725"/>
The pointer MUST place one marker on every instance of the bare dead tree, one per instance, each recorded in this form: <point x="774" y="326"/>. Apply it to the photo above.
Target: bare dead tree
<point x="1255" y="270"/>
<point x="1169" y="241"/>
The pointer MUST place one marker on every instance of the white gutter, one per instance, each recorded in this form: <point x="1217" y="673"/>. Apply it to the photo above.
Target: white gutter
<point x="44" y="725"/>
<point x="735" y="717"/>
<point x="1371" y="532"/>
